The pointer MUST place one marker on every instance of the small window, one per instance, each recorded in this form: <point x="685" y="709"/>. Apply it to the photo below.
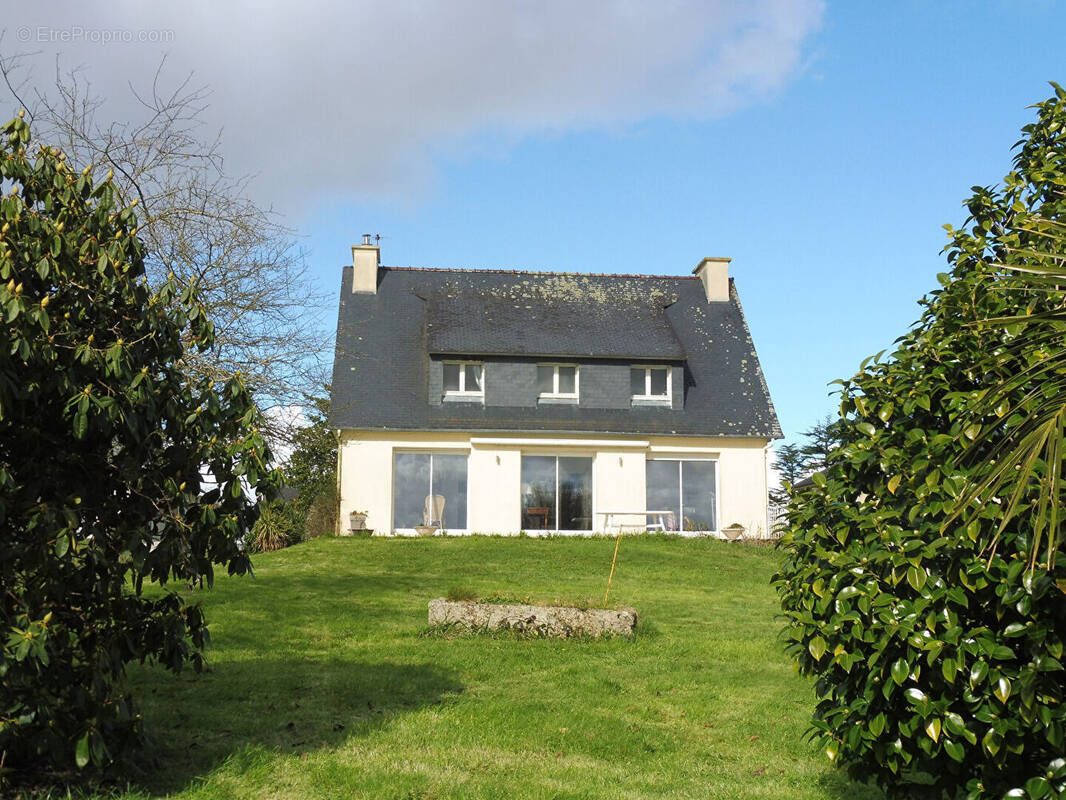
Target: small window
<point x="650" y="383"/>
<point x="464" y="378"/>
<point x="557" y="380"/>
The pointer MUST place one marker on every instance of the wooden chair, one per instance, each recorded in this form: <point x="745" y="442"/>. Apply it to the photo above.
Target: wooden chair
<point x="539" y="511"/>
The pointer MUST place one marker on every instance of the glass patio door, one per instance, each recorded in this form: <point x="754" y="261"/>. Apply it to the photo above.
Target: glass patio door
<point x="420" y="477"/>
<point x="685" y="488"/>
<point x="556" y="493"/>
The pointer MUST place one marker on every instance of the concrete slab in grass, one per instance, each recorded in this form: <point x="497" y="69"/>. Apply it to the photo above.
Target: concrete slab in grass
<point x="562" y="621"/>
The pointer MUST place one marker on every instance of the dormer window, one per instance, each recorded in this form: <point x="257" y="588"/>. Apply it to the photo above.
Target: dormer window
<point x="650" y="383"/>
<point x="464" y="379"/>
<point x="557" y="381"/>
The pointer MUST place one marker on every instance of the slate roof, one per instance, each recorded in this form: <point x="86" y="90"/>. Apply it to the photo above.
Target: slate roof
<point x="384" y="341"/>
<point x="480" y="323"/>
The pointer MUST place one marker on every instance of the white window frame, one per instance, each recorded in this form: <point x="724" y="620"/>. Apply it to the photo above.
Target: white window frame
<point x="462" y="392"/>
<point x="663" y="398"/>
<point x="555" y="394"/>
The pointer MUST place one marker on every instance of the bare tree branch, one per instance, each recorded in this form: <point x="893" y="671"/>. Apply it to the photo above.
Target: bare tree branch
<point x="196" y="222"/>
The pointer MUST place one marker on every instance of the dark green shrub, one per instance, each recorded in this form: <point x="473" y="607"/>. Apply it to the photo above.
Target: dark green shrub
<point x="102" y="442"/>
<point x="321" y="517"/>
<point x="936" y="639"/>
<point x="278" y="527"/>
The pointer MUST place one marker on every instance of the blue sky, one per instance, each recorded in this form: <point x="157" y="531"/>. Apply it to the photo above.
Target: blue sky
<point x="829" y="195"/>
<point x="819" y="145"/>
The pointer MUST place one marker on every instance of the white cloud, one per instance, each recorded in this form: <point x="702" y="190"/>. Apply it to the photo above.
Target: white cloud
<point x="359" y="97"/>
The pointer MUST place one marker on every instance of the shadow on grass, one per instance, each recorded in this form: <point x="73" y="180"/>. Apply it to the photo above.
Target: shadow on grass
<point x="197" y="722"/>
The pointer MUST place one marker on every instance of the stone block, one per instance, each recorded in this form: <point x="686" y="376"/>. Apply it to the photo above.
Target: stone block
<point x="561" y="621"/>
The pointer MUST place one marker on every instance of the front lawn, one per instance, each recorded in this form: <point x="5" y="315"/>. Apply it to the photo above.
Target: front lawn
<point x="323" y="684"/>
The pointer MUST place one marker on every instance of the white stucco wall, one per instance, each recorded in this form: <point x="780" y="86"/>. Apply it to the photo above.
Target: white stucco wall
<point x="494" y="481"/>
<point x="365" y="465"/>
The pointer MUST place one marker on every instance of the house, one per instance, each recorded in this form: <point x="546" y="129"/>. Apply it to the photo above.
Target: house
<point x="496" y="401"/>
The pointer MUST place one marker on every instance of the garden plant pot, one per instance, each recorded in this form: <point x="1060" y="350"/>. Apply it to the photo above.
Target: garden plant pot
<point x="733" y="532"/>
<point x="425" y="530"/>
<point x="356" y="521"/>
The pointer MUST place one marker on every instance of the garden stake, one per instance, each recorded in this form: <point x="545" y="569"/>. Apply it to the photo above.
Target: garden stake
<point x="610" y="577"/>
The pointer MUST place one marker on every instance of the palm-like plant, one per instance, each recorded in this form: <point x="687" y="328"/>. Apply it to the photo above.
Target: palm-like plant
<point x="1017" y="426"/>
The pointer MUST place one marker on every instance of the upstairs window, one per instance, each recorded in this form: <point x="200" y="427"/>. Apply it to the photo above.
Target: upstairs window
<point x="464" y="379"/>
<point x="650" y="383"/>
<point x="557" y="381"/>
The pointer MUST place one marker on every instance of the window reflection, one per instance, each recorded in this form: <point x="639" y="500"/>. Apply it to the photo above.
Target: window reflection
<point x="473" y="378"/>
<point x="636" y="381"/>
<point x="538" y="493"/>
<point x="575" y="494"/>
<point x="664" y="491"/>
<point x="556" y="493"/>
<point x="567" y="380"/>
<point x="545" y="380"/>
<point x="686" y="489"/>
<point x="429" y="485"/>
<point x="451" y="377"/>
<point x="658" y="382"/>
<point x="697" y="495"/>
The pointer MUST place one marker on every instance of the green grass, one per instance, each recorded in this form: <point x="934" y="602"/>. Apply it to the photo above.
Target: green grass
<point x="466" y="594"/>
<point x="321" y="684"/>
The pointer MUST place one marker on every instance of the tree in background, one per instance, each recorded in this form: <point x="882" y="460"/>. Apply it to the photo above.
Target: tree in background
<point x="919" y="577"/>
<point x="312" y="470"/>
<point x="307" y="506"/>
<point x="794" y="462"/>
<point x="198" y="225"/>
<point x="103" y="436"/>
<point x="822" y="438"/>
<point x="792" y="465"/>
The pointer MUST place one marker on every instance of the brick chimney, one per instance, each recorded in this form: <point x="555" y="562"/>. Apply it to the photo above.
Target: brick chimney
<point x="714" y="273"/>
<point x="365" y="260"/>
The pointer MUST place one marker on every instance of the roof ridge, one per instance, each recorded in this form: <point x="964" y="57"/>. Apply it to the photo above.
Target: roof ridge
<point x="541" y="272"/>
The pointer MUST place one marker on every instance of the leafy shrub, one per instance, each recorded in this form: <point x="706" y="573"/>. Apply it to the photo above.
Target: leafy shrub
<point x="936" y="639"/>
<point x="321" y="519"/>
<point x="277" y="527"/>
<point x="312" y="466"/>
<point x="102" y="442"/>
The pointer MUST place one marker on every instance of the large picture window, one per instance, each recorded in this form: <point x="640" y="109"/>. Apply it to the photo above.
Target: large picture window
<point x="429" y="489"/>
<point x="688" y="489"/>
<point x="556" y="493"/>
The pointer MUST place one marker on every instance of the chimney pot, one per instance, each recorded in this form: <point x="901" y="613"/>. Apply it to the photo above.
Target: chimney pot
<point x="366" y="238"/>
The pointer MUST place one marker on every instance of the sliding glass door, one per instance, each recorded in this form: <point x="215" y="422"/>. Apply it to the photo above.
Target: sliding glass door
<point x="429" y="488"/>
<point x="687" y="489"/>
<point x="556" y="493"/>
